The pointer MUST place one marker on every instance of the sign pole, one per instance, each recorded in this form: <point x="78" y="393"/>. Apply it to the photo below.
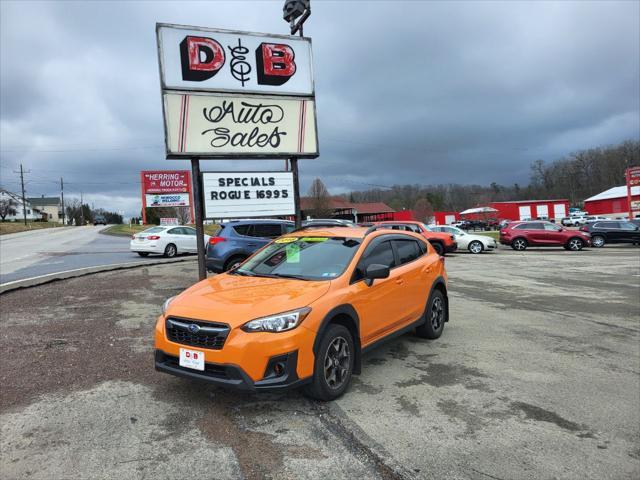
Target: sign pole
<point x="296" y="191"/>
<point x="197" y="203"/>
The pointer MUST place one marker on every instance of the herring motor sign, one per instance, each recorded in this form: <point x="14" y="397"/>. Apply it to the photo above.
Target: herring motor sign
<point x="236" y="94"/>
<point x="247" y="194"/>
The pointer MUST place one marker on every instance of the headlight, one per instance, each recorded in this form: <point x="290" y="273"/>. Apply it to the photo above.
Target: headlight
<point x="166" y="303"/>
<point x="277" y="323"/>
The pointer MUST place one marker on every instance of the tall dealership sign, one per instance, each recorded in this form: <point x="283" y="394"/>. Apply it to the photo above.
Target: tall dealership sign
<point x="238" y="95"/>
<point x="165" y="188"/>
<point x="633" y="180"/>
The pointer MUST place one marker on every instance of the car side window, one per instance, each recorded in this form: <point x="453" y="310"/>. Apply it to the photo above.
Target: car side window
<point x="606" y="225"/>
<point x="551" y="228"/>
<point x="189" y="231"/>
<point x="381" y="254"/>
<point x="175" y="231"/>
<point x="242" y="229"/>
<point x="522" y="226"/>
<point x="627" y="226"/>
<point x="266" y="230"/>
<point x="408" y="250"/>
<point x="287" y="228"/>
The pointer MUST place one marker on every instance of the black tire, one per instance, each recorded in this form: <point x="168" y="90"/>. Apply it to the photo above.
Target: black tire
<point x="476" y="247"/>
<point x="233" y="261"/>
<point x="143" y="254"/>
<point x="575" y="244"/>
<point x="170" y="251"/>
<point x="332" y="364"/>
<point x="519" y="244"/>
<point x="597" y="241"/>
<point x="435" y="316"/>
<point x="438" y="247"/>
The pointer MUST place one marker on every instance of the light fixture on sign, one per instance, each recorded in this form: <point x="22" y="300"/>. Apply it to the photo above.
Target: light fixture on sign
<point x="294" y="9"/>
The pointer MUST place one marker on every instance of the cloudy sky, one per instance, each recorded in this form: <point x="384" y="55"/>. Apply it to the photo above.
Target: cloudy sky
<point x="407" y="92"/>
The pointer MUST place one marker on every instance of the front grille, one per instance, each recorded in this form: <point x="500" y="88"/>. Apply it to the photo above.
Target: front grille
<point x="210" y="369"/>
<point x="209" y="335"/>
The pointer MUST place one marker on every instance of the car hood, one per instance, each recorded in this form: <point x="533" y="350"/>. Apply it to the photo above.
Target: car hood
<point x="234" y="299"/>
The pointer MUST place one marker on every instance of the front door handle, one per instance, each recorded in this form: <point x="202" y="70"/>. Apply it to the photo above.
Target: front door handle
<point x="399" y="281"/>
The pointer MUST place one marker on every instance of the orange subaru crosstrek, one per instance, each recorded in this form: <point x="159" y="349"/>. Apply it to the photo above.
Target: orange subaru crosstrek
<point x="302" y="310"/>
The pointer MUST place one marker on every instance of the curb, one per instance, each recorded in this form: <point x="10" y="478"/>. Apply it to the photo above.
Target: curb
<point x="80" y="272"/>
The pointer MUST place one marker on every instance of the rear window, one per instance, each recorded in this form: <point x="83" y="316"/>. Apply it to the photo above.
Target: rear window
<point x="154" y="230"/>
<point x="242" y="229"/>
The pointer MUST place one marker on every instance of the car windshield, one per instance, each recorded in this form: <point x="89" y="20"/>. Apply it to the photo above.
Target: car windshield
<point x="303" y="258"/>
<point x="154" y="230"/>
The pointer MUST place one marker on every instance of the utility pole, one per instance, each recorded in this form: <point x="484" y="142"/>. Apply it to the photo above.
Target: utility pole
<point x="24" y="200"/>
<point x="62" y="196"/>
<point x="81" y="210"/>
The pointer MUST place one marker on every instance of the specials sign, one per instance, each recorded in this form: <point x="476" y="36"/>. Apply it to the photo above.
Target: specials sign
<point x="233" y="94"/>
<point x="247" y="194"/>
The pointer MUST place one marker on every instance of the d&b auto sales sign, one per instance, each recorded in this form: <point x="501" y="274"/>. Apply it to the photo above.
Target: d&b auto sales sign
<point x="235" y="94"/>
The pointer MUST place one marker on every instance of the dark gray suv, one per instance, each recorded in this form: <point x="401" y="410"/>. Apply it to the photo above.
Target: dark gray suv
<point x="237" y="240"/>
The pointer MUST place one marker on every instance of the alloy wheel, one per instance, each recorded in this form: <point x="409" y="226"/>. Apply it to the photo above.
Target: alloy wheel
<point x="437" y="313"/>
<point x="519" y="244"/>
<point x="575" y="244"/>
<point x="597" y="241"/>
<point x="475" y="247"/>
<point x="171" y="251"/>
<point x="336" y="363"/>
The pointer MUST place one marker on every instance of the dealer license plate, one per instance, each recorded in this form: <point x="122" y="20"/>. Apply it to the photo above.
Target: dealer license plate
<point x="191" y="359"/>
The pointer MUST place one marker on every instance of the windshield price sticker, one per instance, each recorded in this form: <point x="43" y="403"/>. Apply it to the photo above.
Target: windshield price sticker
<point x="250" y="194"/>
<point x="286" y="240"/>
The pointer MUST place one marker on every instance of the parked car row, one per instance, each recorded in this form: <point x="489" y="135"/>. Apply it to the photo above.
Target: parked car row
<point x="237" y="240"/>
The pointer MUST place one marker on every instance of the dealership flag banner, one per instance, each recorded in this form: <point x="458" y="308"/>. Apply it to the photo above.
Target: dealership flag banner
<point x="247" y="194"/>
<point x="230" y="94"/>
<point x="633" y="180"/>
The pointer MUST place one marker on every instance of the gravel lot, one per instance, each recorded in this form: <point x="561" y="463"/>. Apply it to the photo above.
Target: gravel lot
<point x="536" y="376"/>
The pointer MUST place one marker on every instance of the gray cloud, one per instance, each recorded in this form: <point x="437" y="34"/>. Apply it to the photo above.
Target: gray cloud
<point x="407" y="92"/>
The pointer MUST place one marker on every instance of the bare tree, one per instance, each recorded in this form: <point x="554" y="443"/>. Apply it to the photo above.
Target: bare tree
<point x="423" y="210"/>
<point x="320" y="200"/>
<point x="183" y="214"/>
<point x="7" y="207"/>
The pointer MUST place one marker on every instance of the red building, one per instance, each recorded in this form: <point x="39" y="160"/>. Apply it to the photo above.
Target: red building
<point x="360" y="212"/>
<point x="612" y="202"/>
<point x="445" y="218"/>
<point x="531" y="209"/>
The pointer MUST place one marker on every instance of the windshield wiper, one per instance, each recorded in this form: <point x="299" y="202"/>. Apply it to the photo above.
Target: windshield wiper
<point x="243" y="273"/>
<point x="289" y="275"/>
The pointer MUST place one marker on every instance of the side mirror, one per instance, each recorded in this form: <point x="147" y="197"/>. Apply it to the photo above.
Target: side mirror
<point x="375" y="270"/>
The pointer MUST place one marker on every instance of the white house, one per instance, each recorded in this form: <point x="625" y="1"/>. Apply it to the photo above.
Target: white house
<point x="15" y="201"/>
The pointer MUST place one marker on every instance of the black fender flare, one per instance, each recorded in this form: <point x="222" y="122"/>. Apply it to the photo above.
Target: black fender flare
<point x="438" y="282"/>
<point x="347" y="310"/>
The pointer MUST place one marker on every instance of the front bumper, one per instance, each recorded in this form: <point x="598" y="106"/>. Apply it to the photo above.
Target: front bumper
<point x="451" y="248"/>
<point x="243" y="360"/>
<point x="232" y="376"/>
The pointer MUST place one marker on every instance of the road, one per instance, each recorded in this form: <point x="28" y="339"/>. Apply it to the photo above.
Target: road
<point x="40" y="252"/>
<point x="535" y="377"/>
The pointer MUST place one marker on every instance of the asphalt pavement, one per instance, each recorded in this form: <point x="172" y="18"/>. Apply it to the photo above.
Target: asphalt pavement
<point x="536" y="376"/>
<point x="41" y="252"/>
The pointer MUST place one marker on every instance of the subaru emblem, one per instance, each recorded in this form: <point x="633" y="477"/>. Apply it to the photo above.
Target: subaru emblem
<point x="193" y="328"/>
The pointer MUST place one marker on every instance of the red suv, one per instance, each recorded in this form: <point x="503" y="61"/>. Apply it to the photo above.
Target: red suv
<point x="521" y="235"/>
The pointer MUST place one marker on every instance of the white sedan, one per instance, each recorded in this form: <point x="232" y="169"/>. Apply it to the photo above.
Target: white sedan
<point x="467" y="241"/>
<point x="167" y="241"/>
